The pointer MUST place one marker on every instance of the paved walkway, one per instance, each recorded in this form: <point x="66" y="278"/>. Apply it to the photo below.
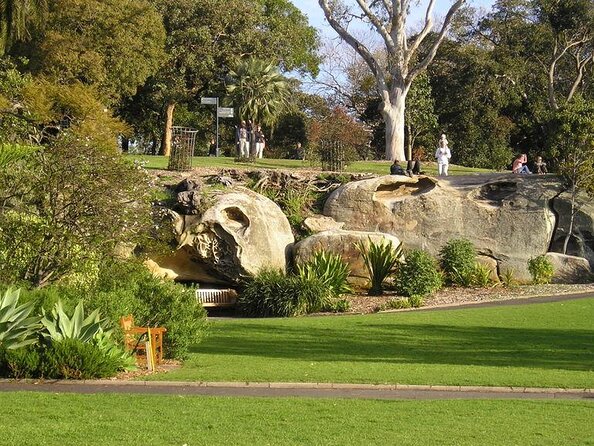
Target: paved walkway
<point x="309" y="390"/>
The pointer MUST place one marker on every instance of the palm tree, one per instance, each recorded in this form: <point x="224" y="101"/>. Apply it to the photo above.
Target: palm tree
<point x="16" y="18"/>
<point x="260" y="91"/>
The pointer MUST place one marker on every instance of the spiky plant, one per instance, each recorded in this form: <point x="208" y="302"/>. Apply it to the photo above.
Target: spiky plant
<point x="17" y="328"/>
<point x="330" y="269"/>
<point x="380" y="260"/>
<point x="58" y="326"/>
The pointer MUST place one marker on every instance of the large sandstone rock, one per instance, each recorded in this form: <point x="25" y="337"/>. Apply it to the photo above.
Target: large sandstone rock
<point x="507" y="217"/>
<point x="569" y="269"/>
<point x="342" y="243"/>
<point x="320" y="223"/>
<point x="241" y="233"/>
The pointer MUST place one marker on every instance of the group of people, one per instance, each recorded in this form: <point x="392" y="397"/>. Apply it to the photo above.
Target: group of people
<point x="250" y="140"/>
<point x="413" y="167"/>
<point x="443" y="155"/>
<point x="520" y="165"/>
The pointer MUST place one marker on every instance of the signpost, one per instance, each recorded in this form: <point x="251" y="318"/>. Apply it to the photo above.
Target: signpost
<point x="222" y="112"/>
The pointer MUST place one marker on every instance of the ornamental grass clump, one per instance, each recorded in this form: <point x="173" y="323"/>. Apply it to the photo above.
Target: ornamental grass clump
<point x="271" y="293"/>
<point x="380" y="260"/>
<point x="328" y="268"/>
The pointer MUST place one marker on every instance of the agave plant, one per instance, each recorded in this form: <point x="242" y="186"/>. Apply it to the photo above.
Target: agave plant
<point x="380" y="260"/>
<point x="17" y="329"/>
<point x="58" y="325"/>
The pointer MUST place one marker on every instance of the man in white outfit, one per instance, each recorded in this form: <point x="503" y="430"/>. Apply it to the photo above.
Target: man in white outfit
<point x="443" y="156"/>
<point x="244" y="148"/>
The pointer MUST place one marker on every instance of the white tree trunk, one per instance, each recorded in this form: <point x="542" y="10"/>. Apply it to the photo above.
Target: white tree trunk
<point x="393" y="115"/>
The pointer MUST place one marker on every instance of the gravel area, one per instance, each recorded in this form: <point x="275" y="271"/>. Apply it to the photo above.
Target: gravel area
<point x="361" y="303"/>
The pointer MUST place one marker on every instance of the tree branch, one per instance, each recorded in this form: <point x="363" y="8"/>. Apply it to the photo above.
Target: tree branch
<point x="378" y="25"/>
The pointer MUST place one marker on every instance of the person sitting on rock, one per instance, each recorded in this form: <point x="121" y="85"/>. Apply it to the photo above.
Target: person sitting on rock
<point x="396" y="168"/>
<point x="519" y="164"/>
<point x="540" y="166"/>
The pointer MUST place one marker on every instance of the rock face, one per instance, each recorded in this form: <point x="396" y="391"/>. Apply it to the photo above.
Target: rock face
<point x="319" y="223"/>
<point x="569" y="269"/>
<point x="342" y="243"/>
<point x="241" y="233"/>
<point x="507" y="217"/>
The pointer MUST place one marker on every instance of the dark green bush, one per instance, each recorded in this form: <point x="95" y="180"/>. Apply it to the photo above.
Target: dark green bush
<point x="273" y="294"/>
<point x="129" y="288"/>
<point x="541" y="269"/>
<point x="380" y="260"/>
<point x="73" y="359"/>
<point x="418" y="275"/>
<point x="458" y="260"/>
<point x="20" y="363"/>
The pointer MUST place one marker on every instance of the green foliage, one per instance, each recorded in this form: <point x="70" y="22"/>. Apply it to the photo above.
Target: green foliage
<point x="259" y="91"/>
<point x="380" y="260"/>
<point x="416" y="301"/>
<point x="418" y="275"/>
<point x="336" y="306"/>
<point x="112" y="44"/>
<point x="541" y="269"/>
<point x="273" y="294"/>
<point x="458" y="260"/>
<point x="508" y="278"/>
<point x="20" y="363"/>
<point x="130" y="288"/>
<point x="17" y="327"/>
<point x="74" y="359"/>
<point x="67" y="208"/>
<point x="11" y="153"/>
<point x="58" y="326"/>
<point x="481" y="275"/>
<point x="330" y="269"/>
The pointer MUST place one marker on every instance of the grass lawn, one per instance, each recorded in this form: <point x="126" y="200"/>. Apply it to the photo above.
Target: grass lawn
<point x="542" y="345"/>
<point x="31" y="419"/>
<point x="378" y="167"/>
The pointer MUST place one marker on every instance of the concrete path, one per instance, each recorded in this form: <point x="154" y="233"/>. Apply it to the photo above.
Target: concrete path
<point x="309" y="390"/>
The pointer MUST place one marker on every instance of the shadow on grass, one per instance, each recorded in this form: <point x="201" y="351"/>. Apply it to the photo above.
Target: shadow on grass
<point x="406" y="343"/>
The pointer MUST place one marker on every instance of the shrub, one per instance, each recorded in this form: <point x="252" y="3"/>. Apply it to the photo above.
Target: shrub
<point x="458" y="260"/>
<point x="337" y="306"/>
<point x="271" y="293"/>
<point x="58" y="326"/>
<point x="328" y="268"/>
<point x="130" y="288"/>
<point x="541" y="269"/>
<point x="418" y="275"/>
<point x="73" y="359"/>
<point x="508" y="278"/>
<point x="380" y="260"/>
<point x="481" y="276"/>
<point x="20" y="363"/>
<point x="415" y="301"/>
<point x="394" y="304"/>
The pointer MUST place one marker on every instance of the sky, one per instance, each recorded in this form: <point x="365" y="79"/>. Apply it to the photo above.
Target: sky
<point x="316" y="16"/>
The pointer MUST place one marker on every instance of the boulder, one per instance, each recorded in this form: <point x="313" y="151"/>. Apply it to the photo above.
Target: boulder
<point x="490" y="263"/>
<point x="319" y="223"/>
<point x="241" y="233"/>
<point x="508" y="217"/>
<point x="569" y="269"/>
<point x="342" y="243"/>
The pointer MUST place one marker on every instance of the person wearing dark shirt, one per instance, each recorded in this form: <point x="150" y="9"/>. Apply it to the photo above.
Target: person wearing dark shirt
<point x="396" y="168"/>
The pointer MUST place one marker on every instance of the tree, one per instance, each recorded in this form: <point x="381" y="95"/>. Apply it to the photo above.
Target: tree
<point x="258" y="90"/>
<point x="419" y="116"/>
<point x="113" y="45"/>
<point x="395" y="77"/>
<point x="206" y="37"/>
<point x="574" y="147"/>
<point x="16" y="19"/>
<point x="66" y="207"/>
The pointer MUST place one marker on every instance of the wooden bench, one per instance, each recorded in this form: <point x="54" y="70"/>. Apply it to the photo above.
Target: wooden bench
<point x="216" y="298"/>
<point x="133" y="341"/>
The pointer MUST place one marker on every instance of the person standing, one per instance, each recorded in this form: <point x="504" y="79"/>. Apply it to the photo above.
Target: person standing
<point x="260" y="141"/>
<point x="244" y="148"/>
<point x="443" y="156"/>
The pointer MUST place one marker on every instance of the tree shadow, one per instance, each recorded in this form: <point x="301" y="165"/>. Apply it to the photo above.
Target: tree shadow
<point x="410" y="344"/>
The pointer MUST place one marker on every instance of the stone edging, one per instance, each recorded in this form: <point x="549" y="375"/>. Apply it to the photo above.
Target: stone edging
<point x="313" y="386"/>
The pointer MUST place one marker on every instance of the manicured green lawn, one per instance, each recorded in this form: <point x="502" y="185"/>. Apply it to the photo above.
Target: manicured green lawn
<point x="31" y="419"/>
<point x="379" y="167"/>
<point x="542" y="345"/>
